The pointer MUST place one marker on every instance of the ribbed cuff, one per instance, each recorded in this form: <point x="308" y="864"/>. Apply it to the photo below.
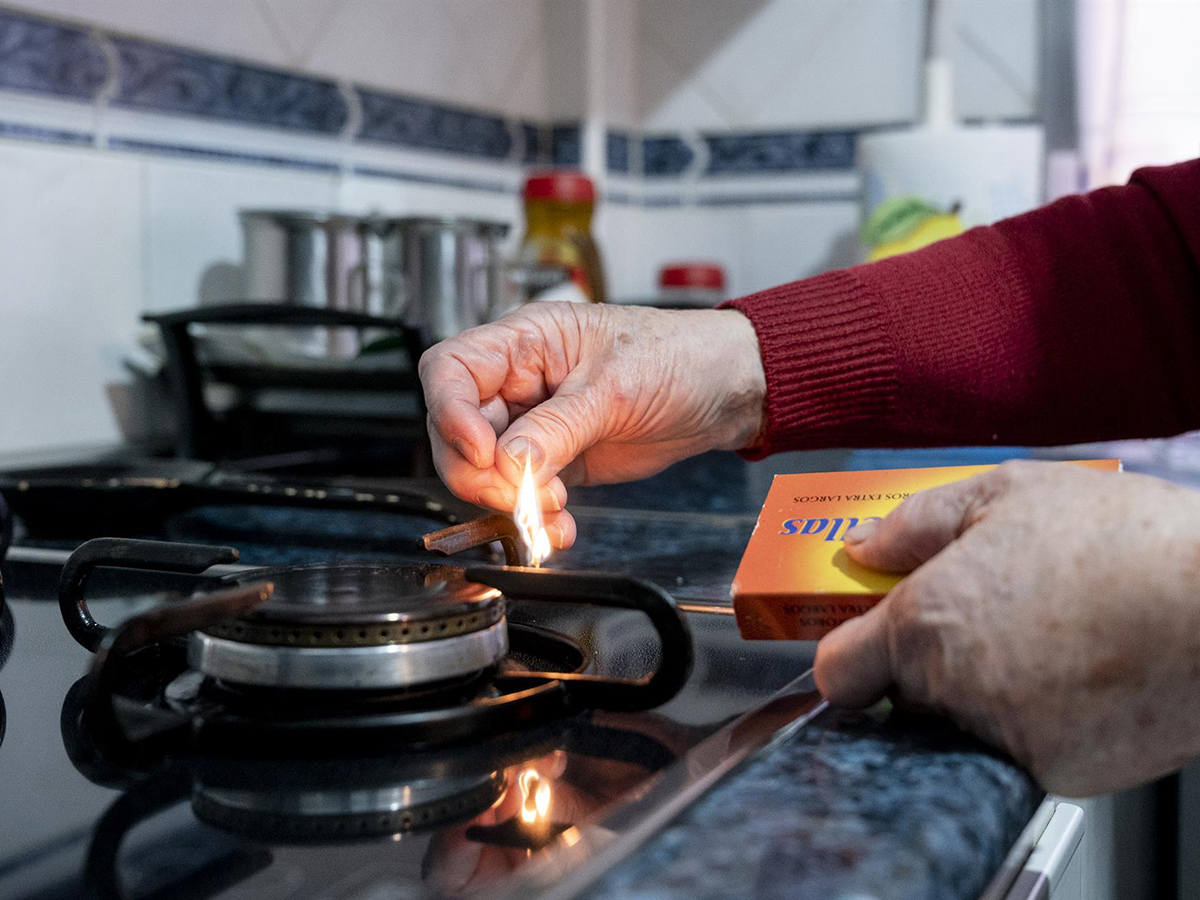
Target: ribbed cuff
<point x="830" y="368"/>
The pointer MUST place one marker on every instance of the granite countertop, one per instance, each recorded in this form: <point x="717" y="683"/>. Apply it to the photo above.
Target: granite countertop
<point x="881" y="804"/>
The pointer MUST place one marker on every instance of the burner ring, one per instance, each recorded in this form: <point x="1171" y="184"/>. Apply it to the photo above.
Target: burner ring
<point x="361" y="605"/>
<point x="348" y="668"/>
<point x="275" y="826"/>
<point x="352" y="634"/>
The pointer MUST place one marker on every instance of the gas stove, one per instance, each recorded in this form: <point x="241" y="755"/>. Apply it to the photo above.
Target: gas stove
<point x="342" y="710"/>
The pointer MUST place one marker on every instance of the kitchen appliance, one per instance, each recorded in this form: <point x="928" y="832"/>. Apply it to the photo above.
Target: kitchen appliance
<point x="741" y="781"/>
<point x="375" y="655"/>
<point x="439" y="275"/>
<point x="347" y="412"/>
<point x="234" y="744"/>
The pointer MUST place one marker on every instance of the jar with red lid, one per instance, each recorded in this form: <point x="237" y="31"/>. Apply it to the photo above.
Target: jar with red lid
<point x="558" y="258"/>
<point x="691" y="284"/>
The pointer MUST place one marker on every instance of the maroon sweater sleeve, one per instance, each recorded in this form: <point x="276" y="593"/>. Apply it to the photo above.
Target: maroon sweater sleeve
<point x="1077" y="321"/>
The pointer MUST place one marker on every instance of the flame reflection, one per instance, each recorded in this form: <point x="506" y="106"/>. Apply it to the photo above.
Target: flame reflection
<point x="535" y="796"/>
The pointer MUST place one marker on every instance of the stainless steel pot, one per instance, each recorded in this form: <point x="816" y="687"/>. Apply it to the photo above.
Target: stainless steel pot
<point x="440" y="275"/>
<point x="452" y="272"/>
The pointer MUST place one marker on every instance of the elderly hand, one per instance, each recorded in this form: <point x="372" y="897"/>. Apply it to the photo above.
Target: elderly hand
<point x="1052" y="610"/>
<point x="591" y="394"/>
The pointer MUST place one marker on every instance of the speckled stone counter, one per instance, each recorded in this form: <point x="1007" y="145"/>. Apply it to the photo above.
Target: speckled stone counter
<point x="848" y="807"/>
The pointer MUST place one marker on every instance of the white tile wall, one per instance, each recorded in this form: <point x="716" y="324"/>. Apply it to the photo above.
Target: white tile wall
<point x="623" y="81"/>
<point x="764" y="64"/>
<point x="994" y="50"/>
<point x="72" y="248"/>
<point x="779" y="63"/>
<point x="235" y="27"/>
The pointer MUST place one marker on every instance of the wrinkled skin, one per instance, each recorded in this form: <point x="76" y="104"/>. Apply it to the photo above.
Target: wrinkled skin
<point x="592" y="394"/>
<point x="1052" y="610"/>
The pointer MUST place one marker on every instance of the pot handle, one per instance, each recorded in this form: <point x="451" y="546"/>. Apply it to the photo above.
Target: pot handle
<point x="357" y="288"/>
<point x="614" y="592"/>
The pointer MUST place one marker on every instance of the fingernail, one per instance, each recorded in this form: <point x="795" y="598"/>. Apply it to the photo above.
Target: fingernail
<point x="555" y="503"/>
<point x="521" y="448"/>
<point x="861" y="532"/>
<point x="494" y="498"/>
<point x="556" y="535"/>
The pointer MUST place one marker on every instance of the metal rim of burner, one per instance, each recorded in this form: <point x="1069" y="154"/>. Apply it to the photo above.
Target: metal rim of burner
<point x="517" y="697"/>
<point x="395" y="627"/>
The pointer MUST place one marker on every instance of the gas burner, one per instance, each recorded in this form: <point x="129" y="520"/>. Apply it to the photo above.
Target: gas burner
<point x="306" y="658"/>
<point x="352" y="627"/>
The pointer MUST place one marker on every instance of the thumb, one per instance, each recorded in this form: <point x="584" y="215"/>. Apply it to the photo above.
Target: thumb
<point x="921" y="526"/>
<point x="854" y="663"/>
<point x="551" y="435"/>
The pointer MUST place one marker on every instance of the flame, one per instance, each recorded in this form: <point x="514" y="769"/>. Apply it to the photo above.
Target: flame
<point x="535" y="796"/>
<point x="528" y="516"/>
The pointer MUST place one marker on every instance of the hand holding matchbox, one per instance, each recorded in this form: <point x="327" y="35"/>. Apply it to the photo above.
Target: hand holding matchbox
<point x="795" y="581"/>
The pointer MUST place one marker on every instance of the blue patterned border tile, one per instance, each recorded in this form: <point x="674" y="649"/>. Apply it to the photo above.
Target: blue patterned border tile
<point x="616" y="151"/>
<point x="533" y="146"/>
<point x="168" y="79"/>
<point x="789" y="151"/>
<point x="421" y="125"/>
<point x="41" y="56"/>
<point x="566" y="144"/>
<point x="665" y="156"/>
<point x="21" y="131"/>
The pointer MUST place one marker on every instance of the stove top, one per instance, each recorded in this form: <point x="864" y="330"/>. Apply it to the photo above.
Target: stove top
<point x="350" y="721"/>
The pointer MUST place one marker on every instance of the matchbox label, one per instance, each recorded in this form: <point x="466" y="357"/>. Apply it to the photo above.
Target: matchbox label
<point x="831" y="529"/>
<point x="795" y="580"/>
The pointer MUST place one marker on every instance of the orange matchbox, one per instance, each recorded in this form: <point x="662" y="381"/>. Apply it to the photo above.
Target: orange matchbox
<point x="795" y="581"/>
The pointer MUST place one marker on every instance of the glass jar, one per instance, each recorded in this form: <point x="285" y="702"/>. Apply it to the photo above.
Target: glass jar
<point x="691" y="284"/>
<point x="558" y="258"/>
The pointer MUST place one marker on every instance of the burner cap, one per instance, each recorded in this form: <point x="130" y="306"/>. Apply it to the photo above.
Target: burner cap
<point x="363" y="605"/>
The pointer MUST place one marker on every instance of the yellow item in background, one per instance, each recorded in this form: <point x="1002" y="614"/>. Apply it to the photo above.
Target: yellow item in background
<point x="901" y="224"/>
